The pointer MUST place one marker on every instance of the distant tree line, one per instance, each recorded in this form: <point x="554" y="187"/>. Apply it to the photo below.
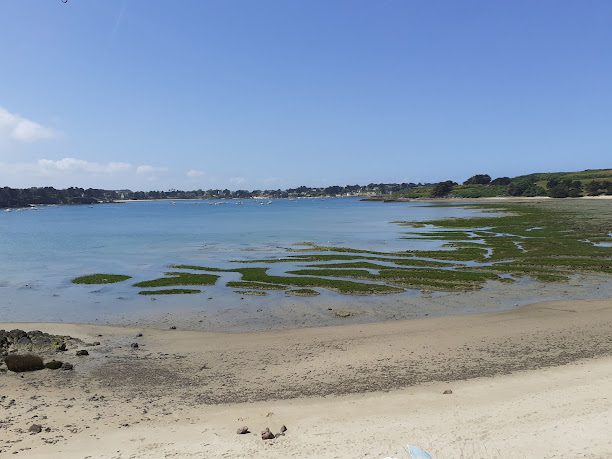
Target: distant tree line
<point x="16" y="197"/>
<point x="476" y="186"/>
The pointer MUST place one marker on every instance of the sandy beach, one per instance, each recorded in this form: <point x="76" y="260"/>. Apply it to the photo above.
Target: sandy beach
<point x="531" y="382"/>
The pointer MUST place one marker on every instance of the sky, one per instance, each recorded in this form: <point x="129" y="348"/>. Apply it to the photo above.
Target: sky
<point x="243" y="94"/>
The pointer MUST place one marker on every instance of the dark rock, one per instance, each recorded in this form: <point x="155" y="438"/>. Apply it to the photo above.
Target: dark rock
<point x="283" y="429"/>
<point x="60" y="347"/>
<point x="24" y="341"/>
<point x="267" y="435"/>
<point x="134" y="345"/>
<point x="23" y="362"/>
<point x="42" y="342"/>
<point x="173" y="327"/>
<point x="242" y="430"/>
<point x="14" y="335"/>
<point x="35" y="428"/>
<point x="82" y="352"/>
<point x="53" y="365"/>
<point x="95" y="343"/>
<point x="447" y="392"/>
<point x="139" y="335"/>
<point x="67" y="366"/>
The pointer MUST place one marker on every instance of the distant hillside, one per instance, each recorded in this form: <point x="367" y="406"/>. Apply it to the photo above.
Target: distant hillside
<point x="541" y="178"/>
<point x="591" y="182"/>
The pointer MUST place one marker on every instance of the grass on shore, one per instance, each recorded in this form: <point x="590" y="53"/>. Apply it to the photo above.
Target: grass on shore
<point x="100" y="279"/>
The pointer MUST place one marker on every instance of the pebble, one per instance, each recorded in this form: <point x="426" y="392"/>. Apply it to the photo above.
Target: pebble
<point x="242" y="430"/>
<point x="267" y="435"/>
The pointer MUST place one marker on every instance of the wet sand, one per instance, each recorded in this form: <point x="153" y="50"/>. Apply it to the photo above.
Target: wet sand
<point x="522" y="379"/>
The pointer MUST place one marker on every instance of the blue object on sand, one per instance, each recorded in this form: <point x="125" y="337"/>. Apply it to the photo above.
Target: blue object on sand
<point x="417" y="453"/>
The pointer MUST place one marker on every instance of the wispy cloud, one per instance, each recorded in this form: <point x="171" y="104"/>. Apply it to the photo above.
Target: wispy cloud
<point x="237" y="180"/>
<point x="16" y="127"/>
<point x="77" y="168"/>
<point x="72" y="165"/>
<point x="194" y="173"/>
<point x="118" y="20"/>
<point x="147" y="169"/>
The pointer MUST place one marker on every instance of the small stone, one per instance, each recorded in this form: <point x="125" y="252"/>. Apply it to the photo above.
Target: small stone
<point x="35" y="428"/>
<point x="267" y="435"/>
<point x="242" y="430"/>
<point x="139" y="335"/>
<point x="173" y="327"/>
<point x="61" y="347"/>
<point x="283" y="428"/>
<point x="67" y="366"/>
<point x="134" y="345"/>
<point x="82" y="352"/>
<point x="343" y="313"/>
<point x="53" y="365"/>
<point x="96" y="343"/>
<point x="447" y="392"/>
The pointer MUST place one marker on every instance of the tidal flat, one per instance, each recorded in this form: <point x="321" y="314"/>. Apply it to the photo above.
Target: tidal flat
<point x="439" y="259"/>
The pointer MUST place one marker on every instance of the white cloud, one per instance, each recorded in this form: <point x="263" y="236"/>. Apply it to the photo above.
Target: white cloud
<point x="193" y="173"/>
<point x="18" y="128"/>
<point x="147" y="169"/>
<point x="71" y="165"/>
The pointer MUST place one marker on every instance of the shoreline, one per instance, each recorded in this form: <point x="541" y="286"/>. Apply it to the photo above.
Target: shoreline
<point x="363" y="198"/>
<point x="199" y="381"/>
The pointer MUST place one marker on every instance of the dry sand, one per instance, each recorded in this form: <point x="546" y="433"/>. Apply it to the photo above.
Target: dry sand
<point x="532" y="382"/>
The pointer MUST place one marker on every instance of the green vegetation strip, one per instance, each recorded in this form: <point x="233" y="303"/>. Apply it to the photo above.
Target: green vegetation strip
<point x="178" y="278"/>
<point x="174" y="291"/>
<point x="260" y="276"/>
<point x="100" y="279"/>
<point x="302" y="292"/>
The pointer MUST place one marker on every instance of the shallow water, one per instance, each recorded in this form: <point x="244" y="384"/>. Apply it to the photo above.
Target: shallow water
<point x="42" y="250"/>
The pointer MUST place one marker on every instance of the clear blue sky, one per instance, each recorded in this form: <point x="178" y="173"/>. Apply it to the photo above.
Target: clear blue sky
<point x="150" y="94"/>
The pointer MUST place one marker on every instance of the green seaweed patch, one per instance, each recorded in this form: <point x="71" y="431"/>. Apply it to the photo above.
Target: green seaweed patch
<point x="342" y="286"/>
<point x="197" y="268"/>
<point x="180" y="279"/>
<point x="101" y="279"/>
<point x="251" y="292"/>
<point x="302" y="292"/>
<point x="173" y="291"/>
<point x="416" y="278"/>
<point x="255" y="285"/>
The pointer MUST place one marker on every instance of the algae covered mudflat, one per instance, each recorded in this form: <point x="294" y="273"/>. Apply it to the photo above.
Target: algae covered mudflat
<point x="100" y="279"/>
<point x="547" y="242"/>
